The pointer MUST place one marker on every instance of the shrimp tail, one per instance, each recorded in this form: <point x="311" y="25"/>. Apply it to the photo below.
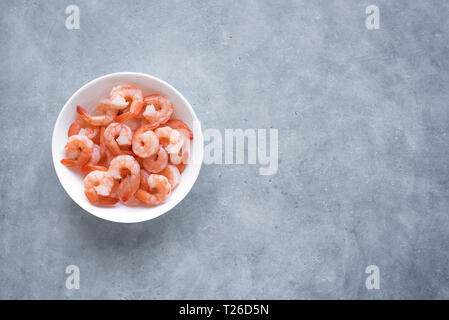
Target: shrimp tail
<point x="89" y="168"/>
<point x="107" y="200"/>
<point x="83" y="113"/>
<point x="74" y="128"/>
<point x="69" y="162"/>
<point x="136" y="108"/>
<point x="93" y="120"/>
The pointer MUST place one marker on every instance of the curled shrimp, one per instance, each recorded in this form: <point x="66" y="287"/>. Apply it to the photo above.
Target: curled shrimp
<point x="156" y="162"/>
<point x="78" y="150"/>
<point x="158" y="109"/>
<point x="116" y="135"/>
<point x="121" y="96"/>
<point x="80" y="127"/>
<point x="126" y="170"/>
<point x="159" y="190"/>
<point x="97" y="188"/>
<point x="145" y="143"/>
<point x="182" y="156"/>
<point x="106" y="116"/>
<point x="178" y="124"/>
<point x="170" y="139"/>
<point x="171" y="172"/>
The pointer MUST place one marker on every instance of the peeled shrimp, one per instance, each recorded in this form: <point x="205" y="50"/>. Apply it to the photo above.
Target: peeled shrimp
<point x="156" y="162"/>
<point x="182" y="156"/>
<point x="106" y="117"/>
<point x="96" y="155"/>
<point x="80" y="127"/>
<point x="159" y="190"/>
<point x="125" y="169"/>
<point x="171" y="172"/>
<point x="170" y="139"/>
<point x="179" y="124"/>
<point x="158" y="109"/>
<point x="145" y="143"/>
<point x="79" y="150"/>
<point x="116" y="135"/>
<point x="97" y="188"/>
<point x="121" y="96"/>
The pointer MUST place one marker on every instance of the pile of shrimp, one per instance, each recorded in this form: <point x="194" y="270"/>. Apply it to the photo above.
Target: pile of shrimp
<point x="130" y="151"/>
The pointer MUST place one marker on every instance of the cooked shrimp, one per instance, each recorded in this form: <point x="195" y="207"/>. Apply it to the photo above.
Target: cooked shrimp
<point x="88" y="168"/>
<point x="97" y="188"/>
<point x="96" y="155"/>
<point x="158" y="109"/>
<point x="170" y="139"/>
<point x="106" y="116"/>
<point x="156" y="162"/>
<point x="159" y="190"/>
<point x="133" y="123"/>
<point x="182" y="156"/>
<point x="126" y="169"/>
<point x="78" y="150"/>
<point x="171" y="172"/>
<point x="121" y="96"/>
<point x="116" y="135"/>
<point x="145" y="143"/>
<point x="80" y="127"/>
<point x="178" y="124"/>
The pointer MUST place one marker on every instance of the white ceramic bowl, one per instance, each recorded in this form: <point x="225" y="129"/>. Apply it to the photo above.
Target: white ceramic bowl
<point x="88" y="97"/>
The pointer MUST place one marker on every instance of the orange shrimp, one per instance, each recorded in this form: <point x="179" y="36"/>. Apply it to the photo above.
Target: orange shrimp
<point x="97" y="188"/>
<point x="116" y="135"/>
<point x="178" y="124"/>
<point x="121" y="96"/>
<point x="106" y="117"/>
<point x="158" y="109"/>
<point x="156" y="162"/>
<point x="171" y="172"/>
<point x="182" y="156"/>
<point x="181" y="167"/>
<point x="125" y="169"/>
<point x="88" y="168"/>
<point x="170" y="139"/>
<point x="78" y="150"/>
<point x="159" y="190"/>
<point x="145" y="143"/>
<point x="80" y="127"/>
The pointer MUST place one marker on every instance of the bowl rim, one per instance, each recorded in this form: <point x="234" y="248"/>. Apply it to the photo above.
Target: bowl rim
<point x="199" y="136"/>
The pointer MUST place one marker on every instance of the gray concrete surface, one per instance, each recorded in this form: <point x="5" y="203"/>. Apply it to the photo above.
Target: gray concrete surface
<point x="363" y="124"/>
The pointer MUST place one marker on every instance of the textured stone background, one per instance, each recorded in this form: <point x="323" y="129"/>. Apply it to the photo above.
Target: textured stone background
<point x="363" y="123"/>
